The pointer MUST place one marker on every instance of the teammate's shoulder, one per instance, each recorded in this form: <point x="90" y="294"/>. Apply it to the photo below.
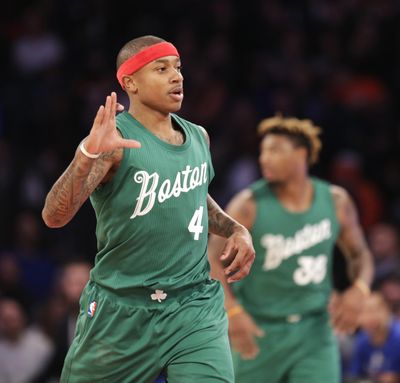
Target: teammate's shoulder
<point x="243" y="207"/>
<point x="321" y="182"/>
<point x="245" y="195"/>
<point x="259" y="187"/>
<point x="336" y="191"/>
<point x="339" y="193"/>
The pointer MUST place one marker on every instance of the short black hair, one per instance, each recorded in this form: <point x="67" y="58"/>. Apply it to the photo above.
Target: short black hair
<point x="135" y="46"/>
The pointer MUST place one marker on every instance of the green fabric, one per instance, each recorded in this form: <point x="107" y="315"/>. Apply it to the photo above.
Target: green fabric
<point x="144" y="213"/>
<point x="156" y="307"/>
<point x="184" y="336"/>
<point x="292" y="270"/>
<point x="302" y="352"/>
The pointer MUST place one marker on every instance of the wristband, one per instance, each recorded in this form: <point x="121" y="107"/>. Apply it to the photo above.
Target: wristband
<point x="362" y="286"/>
<point x="86" y="153"/>
<point x="234" y="311"/>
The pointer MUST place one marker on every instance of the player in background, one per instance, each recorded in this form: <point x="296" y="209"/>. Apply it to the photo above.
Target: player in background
<point x="279" y="325"/>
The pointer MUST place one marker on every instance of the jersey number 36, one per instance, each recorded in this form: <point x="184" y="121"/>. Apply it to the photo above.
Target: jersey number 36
<point x="310" y="270"/>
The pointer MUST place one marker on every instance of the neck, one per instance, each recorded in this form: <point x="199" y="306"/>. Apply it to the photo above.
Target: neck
<point x="153" y="120"/>
<point x="296" y="194"/>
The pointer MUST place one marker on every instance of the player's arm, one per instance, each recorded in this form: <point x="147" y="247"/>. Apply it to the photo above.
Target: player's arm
<point x="238" y="252"/>
<point x="71" y="190"/>
<point x="242" y="327"/>
<point x="346" y="308"/>
<point x="85" y="174"/>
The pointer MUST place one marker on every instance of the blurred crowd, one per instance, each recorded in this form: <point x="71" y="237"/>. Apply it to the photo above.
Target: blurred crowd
<point x="333" y="61"/>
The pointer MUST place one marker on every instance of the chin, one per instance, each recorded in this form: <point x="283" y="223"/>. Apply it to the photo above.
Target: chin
<point x="270" y="178"/>
<point x="176" y="108"/>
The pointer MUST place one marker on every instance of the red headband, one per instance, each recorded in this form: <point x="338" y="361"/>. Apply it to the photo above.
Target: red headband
<point x="145" y="56"/>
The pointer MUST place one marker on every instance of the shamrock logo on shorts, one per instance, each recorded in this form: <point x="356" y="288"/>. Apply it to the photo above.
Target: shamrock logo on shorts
<point x="158" y="296"/>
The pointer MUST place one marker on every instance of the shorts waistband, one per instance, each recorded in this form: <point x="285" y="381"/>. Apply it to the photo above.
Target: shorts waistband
<point x="154" y="297"/>
<point x="291" y="318"/>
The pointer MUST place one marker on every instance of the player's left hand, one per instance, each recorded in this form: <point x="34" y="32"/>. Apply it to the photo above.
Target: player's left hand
<point x="345" y="310"/>
<point x="238" y="255"/>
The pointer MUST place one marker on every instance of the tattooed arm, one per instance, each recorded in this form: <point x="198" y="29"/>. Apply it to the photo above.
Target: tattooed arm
<point x="346" y="308"/>
<point x="75" y="185"/>
<point x="238" y="249"/>
<point x="238" y="253"/>
<point x="84" y="174"/>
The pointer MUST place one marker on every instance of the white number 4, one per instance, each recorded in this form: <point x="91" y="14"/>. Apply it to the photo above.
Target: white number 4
<point x="195" y="225"/>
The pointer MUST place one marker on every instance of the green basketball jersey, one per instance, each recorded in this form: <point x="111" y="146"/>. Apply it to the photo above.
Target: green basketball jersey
<point x="152" y="220"/>
<point x="291" y="273"/>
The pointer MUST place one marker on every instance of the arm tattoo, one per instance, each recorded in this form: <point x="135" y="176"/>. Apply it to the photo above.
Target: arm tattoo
<point x="219" y="223"/>
<point x="352" y="241"/>
<point x="73" y="188"/>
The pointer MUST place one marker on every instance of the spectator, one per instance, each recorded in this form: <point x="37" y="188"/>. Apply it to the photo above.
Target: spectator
<point x="377" y="352"/>
<point x="11" y="281"/>
<point x="74" y="277"/>
<point x="24" y="350"/>
<point x="384" y="243"/>
<point x="389" y="287"/>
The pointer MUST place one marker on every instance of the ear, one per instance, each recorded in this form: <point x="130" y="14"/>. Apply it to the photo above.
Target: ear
<point x="129" y="84"/>
<point x="302" y="152"/>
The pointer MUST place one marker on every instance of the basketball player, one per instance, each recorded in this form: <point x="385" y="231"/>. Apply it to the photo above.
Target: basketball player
<point x="150" y="305"/>
<point x="278" y="320"/>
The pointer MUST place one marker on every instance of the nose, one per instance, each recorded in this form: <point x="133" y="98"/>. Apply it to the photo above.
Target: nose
<point x="177" y="76"/>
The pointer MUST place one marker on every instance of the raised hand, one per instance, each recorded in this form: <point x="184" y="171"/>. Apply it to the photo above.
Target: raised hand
<point x="103" y="136"/>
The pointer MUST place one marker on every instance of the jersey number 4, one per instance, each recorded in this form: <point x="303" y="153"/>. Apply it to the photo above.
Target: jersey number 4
<point x="195" y="225"/>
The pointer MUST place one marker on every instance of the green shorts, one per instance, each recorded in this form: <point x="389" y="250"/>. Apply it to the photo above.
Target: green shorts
<point x="305" y="351"/>
<point x="131" y="340"/>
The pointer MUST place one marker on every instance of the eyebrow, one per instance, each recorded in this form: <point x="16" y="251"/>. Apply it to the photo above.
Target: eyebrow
<point x="166" y="61"/>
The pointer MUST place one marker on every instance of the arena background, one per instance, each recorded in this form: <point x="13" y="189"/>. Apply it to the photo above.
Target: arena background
<point x="335" y="62"/>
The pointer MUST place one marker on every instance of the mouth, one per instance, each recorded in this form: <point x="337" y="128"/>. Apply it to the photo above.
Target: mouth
<point x="267" y="172"/>
<point x="176" y="93"/>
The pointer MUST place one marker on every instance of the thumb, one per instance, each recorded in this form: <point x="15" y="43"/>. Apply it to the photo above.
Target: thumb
<point x="129" y="144"/>
<point x="226" y="251"/>
<point x="257" y="331"/>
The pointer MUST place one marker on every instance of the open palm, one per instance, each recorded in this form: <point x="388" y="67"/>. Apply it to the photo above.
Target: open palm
<point x="104" y="136"/>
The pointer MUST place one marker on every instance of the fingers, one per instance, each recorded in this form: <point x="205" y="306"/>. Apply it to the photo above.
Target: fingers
<point x="245" y="345"/>
<point x="347" y="322"/>
<point x="120" y="107"/>
<point x="113" y="105"/>
<point x="129" y="144"/>
<point x="98" y="120"/>
<point x="240" y="273"/>
<point x="257" y="331"/>
<point x="240" y="266"/>
<point x="343" y="317"/>
<point x="228" y="254"/>
<point x="107" y="110"/>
